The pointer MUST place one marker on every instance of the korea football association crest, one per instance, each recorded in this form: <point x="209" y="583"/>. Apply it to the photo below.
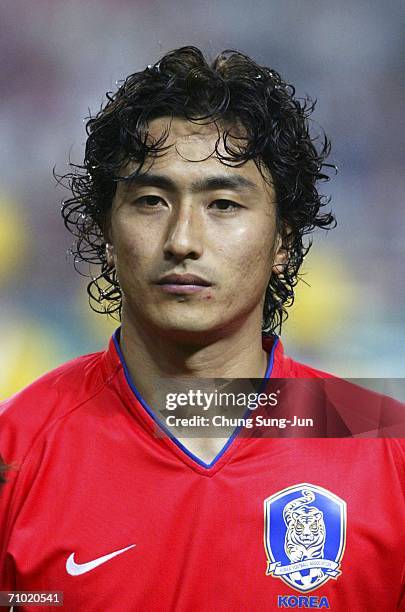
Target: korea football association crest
<point x="304" y="536"/>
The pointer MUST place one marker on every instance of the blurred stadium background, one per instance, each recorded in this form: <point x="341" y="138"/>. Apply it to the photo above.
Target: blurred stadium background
<point x="58" y="59"/>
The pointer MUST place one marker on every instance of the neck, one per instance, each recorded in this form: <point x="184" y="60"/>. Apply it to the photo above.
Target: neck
<point x="150" y="355"/>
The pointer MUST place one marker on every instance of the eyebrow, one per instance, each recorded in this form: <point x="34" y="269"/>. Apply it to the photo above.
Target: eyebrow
<point x="210" y="183"/>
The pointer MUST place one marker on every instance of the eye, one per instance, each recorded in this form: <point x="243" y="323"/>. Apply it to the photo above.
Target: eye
<point x="225" y="205"/>
<point x="149" y="201"/>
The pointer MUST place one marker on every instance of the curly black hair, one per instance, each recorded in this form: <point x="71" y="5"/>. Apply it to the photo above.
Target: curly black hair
<point x="233" y="89"/>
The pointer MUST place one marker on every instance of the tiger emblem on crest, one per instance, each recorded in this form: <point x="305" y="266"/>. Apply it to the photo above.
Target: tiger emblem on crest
<point x="305" y="534"/>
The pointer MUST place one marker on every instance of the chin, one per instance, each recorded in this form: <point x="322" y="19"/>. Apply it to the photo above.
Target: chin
<point x="191" y="330"/>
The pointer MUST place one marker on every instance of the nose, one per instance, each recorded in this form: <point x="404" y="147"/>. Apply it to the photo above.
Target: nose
<point x="184" y="235"/>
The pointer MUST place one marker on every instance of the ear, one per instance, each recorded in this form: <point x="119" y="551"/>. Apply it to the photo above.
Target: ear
<point x="109" y="247"/>
<point x="281" y="252"/>
<point x="109" y="252"/>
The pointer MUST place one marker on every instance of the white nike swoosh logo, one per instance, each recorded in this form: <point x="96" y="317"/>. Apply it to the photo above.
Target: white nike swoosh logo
<point x="76" y="569"/>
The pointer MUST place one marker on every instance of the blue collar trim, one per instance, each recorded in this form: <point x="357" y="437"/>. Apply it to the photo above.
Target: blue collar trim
<point x="269" y="369"/>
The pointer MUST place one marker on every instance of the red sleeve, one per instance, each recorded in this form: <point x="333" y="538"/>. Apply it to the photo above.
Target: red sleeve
<point x="22" y="419"/>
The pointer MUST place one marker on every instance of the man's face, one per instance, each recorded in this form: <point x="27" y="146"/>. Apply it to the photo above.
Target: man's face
<point x="190" y="214"/>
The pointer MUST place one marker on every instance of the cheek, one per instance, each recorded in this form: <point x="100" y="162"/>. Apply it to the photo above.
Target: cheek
<point x="132" y="254"/>
<point x="250" y="260"/>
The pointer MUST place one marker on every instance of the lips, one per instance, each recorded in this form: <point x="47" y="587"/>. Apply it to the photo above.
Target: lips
<point x="183" y="284"/>
<point x="184" y="279"/>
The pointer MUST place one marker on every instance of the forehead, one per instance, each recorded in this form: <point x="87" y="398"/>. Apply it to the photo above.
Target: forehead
<point x="190" y="135"/>
<point x="194" y="147"/>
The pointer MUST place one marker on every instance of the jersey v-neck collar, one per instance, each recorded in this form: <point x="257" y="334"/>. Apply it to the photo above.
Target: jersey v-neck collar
<point x="115" y="362"/>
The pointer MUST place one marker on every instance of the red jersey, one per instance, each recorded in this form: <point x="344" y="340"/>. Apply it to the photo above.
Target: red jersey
<point x="99" y="507"/>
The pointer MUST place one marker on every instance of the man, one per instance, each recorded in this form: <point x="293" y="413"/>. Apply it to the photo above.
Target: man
<point x="198" y="185"/>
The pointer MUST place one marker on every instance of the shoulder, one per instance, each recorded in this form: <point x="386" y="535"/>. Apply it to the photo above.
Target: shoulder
<point x="357" y="410"/>
<point x="25" y="415"/>
<point x="67" y="379"/>
<point x="303" y="370"/>
<point x="286" y="367"/>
